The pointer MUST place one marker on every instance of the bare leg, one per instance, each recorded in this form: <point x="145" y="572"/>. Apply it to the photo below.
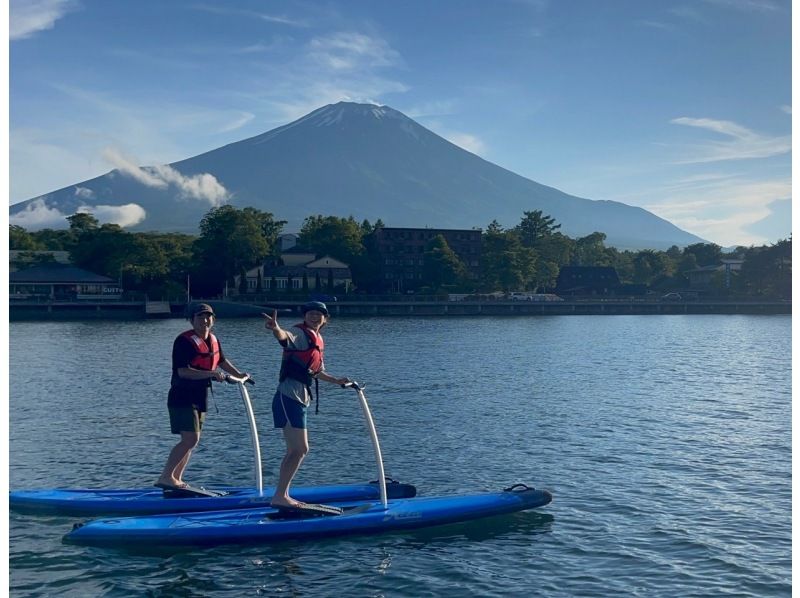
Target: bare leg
<point x="178" y="459"/>
<point x="296" y="450"/>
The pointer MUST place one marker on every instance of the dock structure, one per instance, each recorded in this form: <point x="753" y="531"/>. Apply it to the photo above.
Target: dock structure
<point x="81" y="310"/>
<point x="157" y="308"/>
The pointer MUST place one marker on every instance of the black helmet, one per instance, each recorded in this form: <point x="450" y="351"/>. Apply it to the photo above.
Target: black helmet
<point x="315" y="306"/>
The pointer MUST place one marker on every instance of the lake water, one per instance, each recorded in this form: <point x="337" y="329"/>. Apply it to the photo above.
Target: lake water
<point x="665" y="440"/>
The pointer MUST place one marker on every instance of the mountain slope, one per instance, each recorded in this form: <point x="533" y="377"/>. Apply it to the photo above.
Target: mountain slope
<point x="369" y="162"/>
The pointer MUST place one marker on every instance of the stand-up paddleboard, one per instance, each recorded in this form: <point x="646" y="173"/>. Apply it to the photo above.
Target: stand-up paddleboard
<point x="268" y="525"/>
<point x="90" y="502"/>
<point x="144" y="501"/>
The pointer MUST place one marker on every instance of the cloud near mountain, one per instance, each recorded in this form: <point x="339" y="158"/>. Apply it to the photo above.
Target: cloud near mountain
<point x="38" y="215"/>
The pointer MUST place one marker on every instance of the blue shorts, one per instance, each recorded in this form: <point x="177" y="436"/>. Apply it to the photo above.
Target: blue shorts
<point x="286" y="410"/>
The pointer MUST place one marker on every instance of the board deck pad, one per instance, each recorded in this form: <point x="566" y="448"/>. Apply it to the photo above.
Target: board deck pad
<point x="190" y="492"/>
<point x="307" y="510"/>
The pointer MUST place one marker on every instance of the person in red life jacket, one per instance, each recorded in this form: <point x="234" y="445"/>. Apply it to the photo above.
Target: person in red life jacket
<point x="302" y="363"/>
<point x="197" y="359"/>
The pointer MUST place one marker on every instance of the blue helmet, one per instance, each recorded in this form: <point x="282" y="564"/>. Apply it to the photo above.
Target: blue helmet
<point x="315" y="306"/>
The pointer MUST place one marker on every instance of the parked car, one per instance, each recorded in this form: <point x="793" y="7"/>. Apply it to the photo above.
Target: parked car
<point x="520" y="296"/>
<point x="672" y="297"/>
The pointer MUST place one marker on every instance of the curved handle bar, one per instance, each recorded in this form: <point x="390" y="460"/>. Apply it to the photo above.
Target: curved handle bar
<point x="355" y="385"/>
<point x="236" y="380"/>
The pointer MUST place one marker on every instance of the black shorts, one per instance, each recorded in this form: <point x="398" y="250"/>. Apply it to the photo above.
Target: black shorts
<point x="186" y="419"/>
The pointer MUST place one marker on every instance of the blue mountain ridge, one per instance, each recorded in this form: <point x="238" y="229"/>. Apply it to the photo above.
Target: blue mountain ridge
<point x="370" y="162"/>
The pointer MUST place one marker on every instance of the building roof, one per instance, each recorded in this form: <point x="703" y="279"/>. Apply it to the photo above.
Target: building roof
<point x="298" y="249"/>
<point x="298" y="271"/>
<point x="577" y="278"/>
<point x="50" y="273"/>
<point x="62" y="257"/>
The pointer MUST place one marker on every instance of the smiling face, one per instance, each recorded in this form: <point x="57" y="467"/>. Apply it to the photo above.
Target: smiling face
<point x="314" y="319"/>
<point x="202" y="323"/>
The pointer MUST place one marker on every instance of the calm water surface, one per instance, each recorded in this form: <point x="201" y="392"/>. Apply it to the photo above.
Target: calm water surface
<point x="666" y="441"/>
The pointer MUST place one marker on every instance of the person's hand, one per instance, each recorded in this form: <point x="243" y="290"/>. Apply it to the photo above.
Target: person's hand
<point x="271" y="322"/>
<point x="219" y="376"/>
<point x="343" y="381"/>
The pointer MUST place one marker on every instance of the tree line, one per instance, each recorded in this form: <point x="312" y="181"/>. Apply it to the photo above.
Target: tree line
<point x="526" y="257"/>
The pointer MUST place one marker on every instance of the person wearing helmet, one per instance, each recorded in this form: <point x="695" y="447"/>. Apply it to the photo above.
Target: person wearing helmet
<point x="197" y="359"/>
<point x="302" y="363"/>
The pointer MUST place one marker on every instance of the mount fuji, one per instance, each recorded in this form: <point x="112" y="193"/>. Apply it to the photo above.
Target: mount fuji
<point x="348" y="159"/>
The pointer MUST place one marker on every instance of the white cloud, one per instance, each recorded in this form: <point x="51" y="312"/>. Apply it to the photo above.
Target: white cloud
<point x="466" y="141"/>
<point x="747" y="5"/>
<point x="84" y="193"/>
<point x="721" y="209"/>
<point x="125" y="215"/>
<point x="742" y="143"/>
<point x="251" y="14"/>
<point x="786" y="108"/>
<point x="128" y="167"/>
<point x="203" y="186"/>
<point x="27" y="17"/>
<point x="349" y="50"/>
<point x="237" y="123"/>
<point x="38" y="215"/>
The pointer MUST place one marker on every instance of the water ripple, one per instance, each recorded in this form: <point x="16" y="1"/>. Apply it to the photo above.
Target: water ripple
<point x="666" y="442"/>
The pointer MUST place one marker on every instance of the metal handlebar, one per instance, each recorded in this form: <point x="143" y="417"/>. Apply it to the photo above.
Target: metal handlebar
<point x="373" y="435"/>
<point x="237" y="380"/>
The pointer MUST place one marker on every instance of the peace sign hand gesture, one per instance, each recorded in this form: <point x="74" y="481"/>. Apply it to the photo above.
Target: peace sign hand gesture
<point x="271" y="322"/>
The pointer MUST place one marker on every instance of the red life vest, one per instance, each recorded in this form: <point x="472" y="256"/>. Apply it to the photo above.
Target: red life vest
<point x="206" y="358"/>
<point x="303" y="365"/>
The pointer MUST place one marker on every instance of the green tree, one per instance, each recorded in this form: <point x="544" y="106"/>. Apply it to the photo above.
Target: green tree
<point x="345" y="240"/>
<point x="534" y="227"/>
<point x="82" y="222"/>
<point x="441" y="266"/>
<point x="341" y="238"/>
<point x="706" y="254"/>
<point x="767" y="270"/>
<point x="232" y="240"/>
<point x="591" y="251"/>
<point x="243" y="282"/>
<point x="21" y="239"/>
<point x="551" y="253"/>
<point x="650" y="265"/>
<point x="505" y="263"/>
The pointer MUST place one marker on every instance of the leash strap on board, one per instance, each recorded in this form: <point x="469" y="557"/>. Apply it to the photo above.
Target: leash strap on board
<point x="213" y="398"/>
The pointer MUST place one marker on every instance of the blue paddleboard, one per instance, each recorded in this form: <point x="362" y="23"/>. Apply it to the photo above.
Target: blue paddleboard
<point x="263" y="526"/>
<point x="144" y="501"/>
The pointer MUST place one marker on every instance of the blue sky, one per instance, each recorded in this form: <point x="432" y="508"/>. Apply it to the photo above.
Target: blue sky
<point x="682" y="107"/>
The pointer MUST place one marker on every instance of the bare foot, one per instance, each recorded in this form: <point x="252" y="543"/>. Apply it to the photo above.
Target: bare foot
<point x="285" y="502"/>
<point x="170" y="484"/>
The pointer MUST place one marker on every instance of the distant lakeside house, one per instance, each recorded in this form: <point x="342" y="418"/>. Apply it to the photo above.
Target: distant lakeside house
<point x="19" y="259"/>
<point x="297" y="269"/>
<point x="57" y="281"/>
<point x="703" y="277"/>
<point x="587" y="280"/>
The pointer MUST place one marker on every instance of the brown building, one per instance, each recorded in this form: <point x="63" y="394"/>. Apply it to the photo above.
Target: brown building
<point x="401" y="253"/>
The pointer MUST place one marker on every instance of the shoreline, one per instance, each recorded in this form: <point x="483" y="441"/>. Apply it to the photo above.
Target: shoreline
<point x="138" y="310"/>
